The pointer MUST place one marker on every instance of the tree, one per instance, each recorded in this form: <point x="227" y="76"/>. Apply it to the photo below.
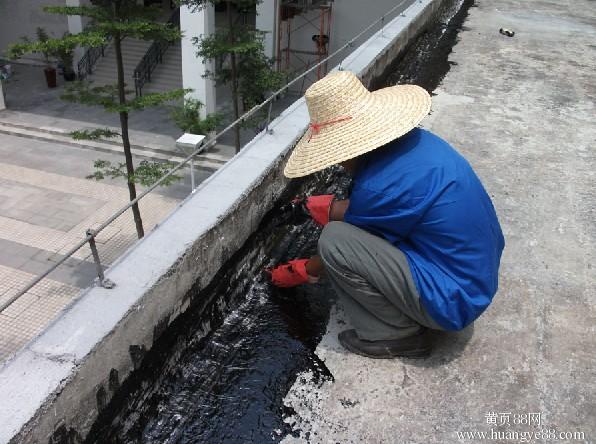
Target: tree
<point x="112" y="20"/>
<point x="187" y="117"/>
<point x="249" y="73"/>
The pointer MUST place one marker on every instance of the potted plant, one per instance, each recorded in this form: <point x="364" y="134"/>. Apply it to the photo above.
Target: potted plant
<point x="49" y="70"/>
<point x="66" y="57"/>
<point x="187" y="117"/>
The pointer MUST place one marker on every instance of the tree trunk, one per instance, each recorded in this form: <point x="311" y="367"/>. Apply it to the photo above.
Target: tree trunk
<point x="235" y="97"/>
<point x="130" y="169"/>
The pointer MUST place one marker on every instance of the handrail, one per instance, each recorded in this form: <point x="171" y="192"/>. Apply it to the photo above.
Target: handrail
<point x="91" y="56"/>
<point x="92" y="234"/>
<point x="153" y="56"/>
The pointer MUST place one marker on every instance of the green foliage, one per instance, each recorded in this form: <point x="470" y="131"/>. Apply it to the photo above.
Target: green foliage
<point x="187" y="117"/>
<point x="106" y="96"/>
<point x="245" y="41"/>
<point x="93" y="12"/>
<point x="255" y="74"/>
<point x="146" y="173"/>
<point x="156" y="99"/>
<point x="65" y="55"/>
<point x="257" y="79"/>
<point x="96" y="134"/>
<point x="111" y="20"/>
<point x="141" y="29"/>
<point x="51" y="47"/>
<point x="127" y="20"/>
<point x="85" y="93"/>
<point x="43" y="37"/>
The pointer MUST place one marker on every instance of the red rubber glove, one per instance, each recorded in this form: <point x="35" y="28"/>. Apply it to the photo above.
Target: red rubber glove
<point x="291" y="274"/>
<point x="319" y="207"/>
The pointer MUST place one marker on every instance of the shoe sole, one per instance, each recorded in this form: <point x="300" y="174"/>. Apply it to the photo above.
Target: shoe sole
<point x="419" y="353"/>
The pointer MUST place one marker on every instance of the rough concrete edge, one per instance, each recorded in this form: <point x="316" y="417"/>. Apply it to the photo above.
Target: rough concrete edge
<point x="71" y="362"/>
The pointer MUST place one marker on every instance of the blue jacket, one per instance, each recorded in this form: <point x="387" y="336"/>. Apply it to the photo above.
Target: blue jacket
<point x="422" y="196"/>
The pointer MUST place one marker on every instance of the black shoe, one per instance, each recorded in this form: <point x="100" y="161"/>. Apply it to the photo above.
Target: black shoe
<point x="416" y="346"/>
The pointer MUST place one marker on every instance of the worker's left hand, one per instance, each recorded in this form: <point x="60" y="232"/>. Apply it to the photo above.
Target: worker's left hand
<point x="291" y="274"/>
<point x="319" y="208"/>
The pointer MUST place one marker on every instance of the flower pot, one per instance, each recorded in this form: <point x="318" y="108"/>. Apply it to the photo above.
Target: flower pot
<point x="69" y="76"/>
<point x="50" y="74"/>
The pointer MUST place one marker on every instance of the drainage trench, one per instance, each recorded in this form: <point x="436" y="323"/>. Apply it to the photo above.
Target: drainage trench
<point x="220" y="371"/>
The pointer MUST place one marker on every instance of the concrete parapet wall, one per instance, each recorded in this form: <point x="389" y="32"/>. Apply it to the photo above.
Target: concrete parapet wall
<point x="56" y="386"/>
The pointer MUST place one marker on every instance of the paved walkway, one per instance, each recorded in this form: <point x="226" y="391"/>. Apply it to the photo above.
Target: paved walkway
<point x="46" y="205"/>
<point x="522" y="111"/>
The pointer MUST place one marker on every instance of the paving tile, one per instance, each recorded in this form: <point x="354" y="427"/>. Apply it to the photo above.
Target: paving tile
<point x="18" y="331"/>
<point x="29" y="314"/>
<point x="46" y="208"/>
<point x="42" y="216"/>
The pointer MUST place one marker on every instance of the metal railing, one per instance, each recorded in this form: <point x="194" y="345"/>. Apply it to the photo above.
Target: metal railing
<point x="91" y="234"/>
<point x="90" y="58"/>
<point x="153" y="57"/>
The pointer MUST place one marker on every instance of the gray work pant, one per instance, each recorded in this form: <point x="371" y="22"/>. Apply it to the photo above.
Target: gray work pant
<point x="373" y="280"/>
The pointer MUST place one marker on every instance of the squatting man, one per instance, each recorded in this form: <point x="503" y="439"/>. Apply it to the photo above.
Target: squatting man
<point x="417" y="245"/>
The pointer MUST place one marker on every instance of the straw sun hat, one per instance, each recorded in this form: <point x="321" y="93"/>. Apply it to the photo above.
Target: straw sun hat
<point x="347" y="120"/>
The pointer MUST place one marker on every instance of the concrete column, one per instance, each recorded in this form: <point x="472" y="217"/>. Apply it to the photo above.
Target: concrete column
<point x="75" y="25"/>
<point x="195" y="24"/>
<point x="267" y="16"/>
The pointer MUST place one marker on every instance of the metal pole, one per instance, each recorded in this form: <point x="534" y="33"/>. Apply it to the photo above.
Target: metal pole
<point x="106" y="283"/>
<point x="267" y="130"/>
<point x="192" y="175"/>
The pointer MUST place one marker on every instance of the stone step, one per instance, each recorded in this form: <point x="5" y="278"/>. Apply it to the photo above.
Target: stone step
<point x="206" y="160"/>
<point x="164" y="83"/>
<point x="161" y="87"/>
<point x="168" y="72"/>
<point x="166" y="76"/>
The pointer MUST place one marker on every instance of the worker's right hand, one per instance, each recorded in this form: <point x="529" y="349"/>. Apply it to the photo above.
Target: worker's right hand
<point x="319" y="207"/>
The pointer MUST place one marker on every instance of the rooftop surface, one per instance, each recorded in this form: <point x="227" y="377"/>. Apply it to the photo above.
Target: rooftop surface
<point x="521" y="110"/>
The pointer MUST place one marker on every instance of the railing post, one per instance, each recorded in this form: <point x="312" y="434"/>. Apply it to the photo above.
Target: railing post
<point x="105" y="283"/>
<point x="267" y="130"/>
<point x="192" y="175"/>
<point x="137" y="84"/>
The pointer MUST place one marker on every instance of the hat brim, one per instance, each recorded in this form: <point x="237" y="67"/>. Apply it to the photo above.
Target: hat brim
<point x="384" y="115"/>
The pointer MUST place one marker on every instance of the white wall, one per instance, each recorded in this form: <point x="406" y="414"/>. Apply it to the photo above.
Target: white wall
<point x="195" y="24"/>
<point x="76" y="24"/>
<point x="266" y="20"/>
<point x="22" y="17"/>
<point x="351" y="16"/>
